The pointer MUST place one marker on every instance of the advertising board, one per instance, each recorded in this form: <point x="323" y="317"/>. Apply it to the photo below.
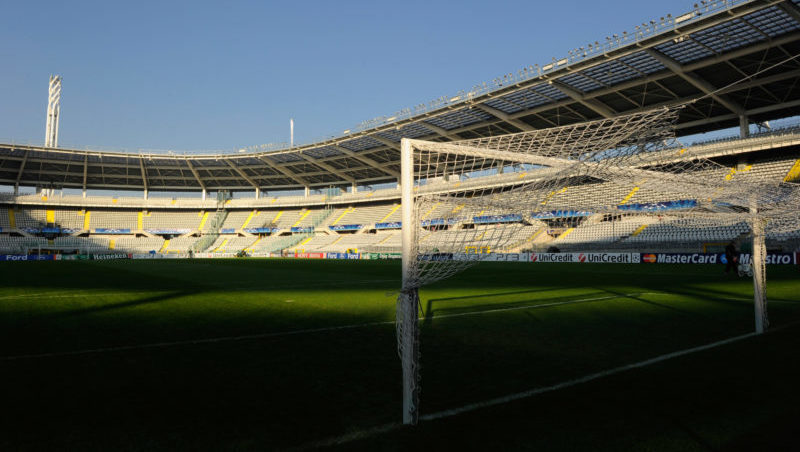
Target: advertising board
<point x="165" y="231"/>
<point x="112" y="256"/>
<point x="345" y="227"/>
<point x="343" y="255"/>
<point x="391" y="225"/>
<point x="590" y="258"/>
<point x="29" y="257"/>
<point x="383" y="256"/>
<point x="712" y="258"/>
<point x="111" y="231"/>
<point x="310" y="255"/>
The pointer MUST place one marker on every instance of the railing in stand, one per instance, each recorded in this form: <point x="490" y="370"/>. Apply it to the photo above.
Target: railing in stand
<point x="294" y="239"/>
<point x="209" y="238"/>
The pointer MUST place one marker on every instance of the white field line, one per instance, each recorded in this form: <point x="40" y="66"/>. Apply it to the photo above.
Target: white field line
<point x="209" y="340"/>
<point x="69" y="295"/>
<point x="213" y="340"/>
<point x="323" y="284"/>
<point x="346" y="438"/>
<point x="751" y="299"/>
<point x="584" y="379"/>
<point x="525" y="394"/>
<point x="545" y="305"/>
<point x="72" y="294"/>
<point x="769" y="301"/>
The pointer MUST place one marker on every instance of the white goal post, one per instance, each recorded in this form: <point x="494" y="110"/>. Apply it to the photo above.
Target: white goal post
<point x="408" y="302"/>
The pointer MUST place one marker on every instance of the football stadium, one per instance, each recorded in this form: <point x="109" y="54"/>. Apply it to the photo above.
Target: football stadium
<point x="551" y="260"/>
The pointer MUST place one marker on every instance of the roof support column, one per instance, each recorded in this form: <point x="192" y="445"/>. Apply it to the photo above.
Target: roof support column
<point x="21" y="169"/>
<point x="144" y="176"/>
<point x="307" y="191"/>
<point x="85" y="174"/>
<point x="204" y="194"/>
<point x="744" y="126"/>
<point x="354" y="188"/>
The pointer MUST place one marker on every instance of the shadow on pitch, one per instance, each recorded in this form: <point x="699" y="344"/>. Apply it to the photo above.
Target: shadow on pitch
<point x="718" y="296"/>
<point x="640" y="299"/>
<point x="123" y="305"/>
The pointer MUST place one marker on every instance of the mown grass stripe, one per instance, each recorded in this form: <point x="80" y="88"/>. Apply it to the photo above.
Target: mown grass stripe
<point x="243" y="337"/>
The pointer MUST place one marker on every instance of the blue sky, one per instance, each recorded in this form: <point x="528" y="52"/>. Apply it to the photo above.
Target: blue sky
<point x="223" y="75"/>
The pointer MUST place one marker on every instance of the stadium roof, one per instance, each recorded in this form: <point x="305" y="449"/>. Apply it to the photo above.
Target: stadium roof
<point x="669" y="61"/>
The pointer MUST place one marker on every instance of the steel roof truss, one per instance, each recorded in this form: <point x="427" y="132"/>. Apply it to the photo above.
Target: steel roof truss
<point x="366" y="160"/>
<point x="22" y="167"/>
<point x="696" y="81"/>
<point x="441" y="131"/>
<point x="579" y="97"/>
<point x="194" y="171"/>
<point x="327" y="167"/>
<point x="505" y="117"/>
<point x="285" y="172"/>
<point x="791" y="9"/>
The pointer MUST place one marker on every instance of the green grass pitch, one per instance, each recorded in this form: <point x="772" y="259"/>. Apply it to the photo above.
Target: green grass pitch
<point x="268" y="354"/>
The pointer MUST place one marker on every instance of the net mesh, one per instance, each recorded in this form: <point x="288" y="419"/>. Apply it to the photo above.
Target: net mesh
<point x="627" y="175"/>
<point x="492" y="194"/>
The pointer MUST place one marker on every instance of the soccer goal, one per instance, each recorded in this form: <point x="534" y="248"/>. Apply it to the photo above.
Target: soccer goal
<point x="463" y="200"/>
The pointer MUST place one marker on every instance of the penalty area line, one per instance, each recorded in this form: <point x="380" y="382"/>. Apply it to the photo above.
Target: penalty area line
<point x="594" y="376"/>
<point x="543" y="305"/>
<point x="581" y="380"/>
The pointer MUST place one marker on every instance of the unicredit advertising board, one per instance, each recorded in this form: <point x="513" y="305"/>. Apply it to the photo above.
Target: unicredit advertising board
<point x="590" y="258"/>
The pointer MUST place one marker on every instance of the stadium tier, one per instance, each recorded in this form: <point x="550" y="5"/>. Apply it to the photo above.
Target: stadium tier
<point x="370" y="222"/>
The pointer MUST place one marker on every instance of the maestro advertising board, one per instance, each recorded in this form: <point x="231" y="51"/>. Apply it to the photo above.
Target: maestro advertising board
<point x="712" y="258"/>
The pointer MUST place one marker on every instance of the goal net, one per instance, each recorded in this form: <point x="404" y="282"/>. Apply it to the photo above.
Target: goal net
<point x="463" y="200"/>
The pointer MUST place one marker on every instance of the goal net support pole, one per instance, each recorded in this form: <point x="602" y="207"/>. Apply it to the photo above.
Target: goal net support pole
<point x="408" y="301"/>
<point x="758" y="263"/>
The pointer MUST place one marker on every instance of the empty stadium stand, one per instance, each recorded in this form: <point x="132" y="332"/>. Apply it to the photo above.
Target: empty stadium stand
<point x="368" y="221"/>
